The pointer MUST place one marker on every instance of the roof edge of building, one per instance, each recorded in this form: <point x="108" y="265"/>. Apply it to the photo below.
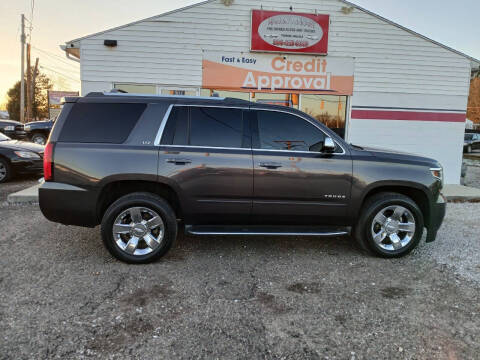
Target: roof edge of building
<point x="411" y="31"/>
<point x="141" y="20"/>
<point x="471" y="58"/>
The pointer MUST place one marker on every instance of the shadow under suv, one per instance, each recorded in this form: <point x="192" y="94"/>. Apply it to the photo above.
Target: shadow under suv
<point x="142" y="166"/>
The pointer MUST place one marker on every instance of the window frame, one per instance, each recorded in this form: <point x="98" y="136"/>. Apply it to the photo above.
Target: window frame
<point x="247" y="110"/>
<point x="255" y="135"/>
<point x="245" y="121"/>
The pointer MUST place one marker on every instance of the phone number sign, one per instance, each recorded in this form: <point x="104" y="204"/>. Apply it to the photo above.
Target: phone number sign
<point x="274" y="31"/>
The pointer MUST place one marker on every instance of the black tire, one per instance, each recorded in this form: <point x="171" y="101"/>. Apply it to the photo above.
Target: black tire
<point x="371" y="208"/>
<point x="39" y="138"/>
<point x="145" y="200"/>
<point x="6" y="171"/>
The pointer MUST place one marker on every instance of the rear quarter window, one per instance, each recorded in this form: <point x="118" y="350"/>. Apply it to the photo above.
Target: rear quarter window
<point x="100" y="123"/>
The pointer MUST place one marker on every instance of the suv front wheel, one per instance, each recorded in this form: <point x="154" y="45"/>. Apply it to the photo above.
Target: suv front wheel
<point x="391" y="225"/>
<point x="39" y="138"/>
<point x="139" y="228"/>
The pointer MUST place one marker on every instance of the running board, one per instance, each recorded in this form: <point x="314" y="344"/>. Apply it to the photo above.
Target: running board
<point x="266" y="230"/>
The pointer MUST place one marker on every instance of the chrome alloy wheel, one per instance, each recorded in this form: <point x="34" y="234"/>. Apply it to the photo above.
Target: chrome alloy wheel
<point x="138" y="231"/>
<point x="39" y="140"/>
<point x="393" y="228"/>
<point x="3" y="171"/>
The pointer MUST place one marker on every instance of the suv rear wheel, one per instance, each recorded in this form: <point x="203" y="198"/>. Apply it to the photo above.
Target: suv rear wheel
<point x="139" y="228"/>
<point x="391" y="225"/>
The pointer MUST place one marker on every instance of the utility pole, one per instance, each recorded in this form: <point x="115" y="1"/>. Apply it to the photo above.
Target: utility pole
<point x="22" y="79"/>
<point x="34" y="78"/>
<point x="29" y="85"/>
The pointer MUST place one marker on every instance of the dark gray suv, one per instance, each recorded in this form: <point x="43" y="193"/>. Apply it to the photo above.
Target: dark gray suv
<point x="143" y="166"/>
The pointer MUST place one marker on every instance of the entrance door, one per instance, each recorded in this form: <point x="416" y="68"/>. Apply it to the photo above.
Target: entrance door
<point x="294" y="181"/>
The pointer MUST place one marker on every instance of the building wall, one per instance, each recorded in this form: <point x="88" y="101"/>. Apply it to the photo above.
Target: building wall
<point x="393" y="68"/>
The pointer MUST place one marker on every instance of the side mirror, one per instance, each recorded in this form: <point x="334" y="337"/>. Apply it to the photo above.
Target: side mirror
<point x="329" y="145"/>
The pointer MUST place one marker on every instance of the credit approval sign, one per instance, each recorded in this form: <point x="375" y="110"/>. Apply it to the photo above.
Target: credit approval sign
<point x="278" y="73"/>
<point x="276" y="31"/>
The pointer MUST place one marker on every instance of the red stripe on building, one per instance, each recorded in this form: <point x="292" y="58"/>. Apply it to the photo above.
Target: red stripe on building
<point x="408" y="115"/>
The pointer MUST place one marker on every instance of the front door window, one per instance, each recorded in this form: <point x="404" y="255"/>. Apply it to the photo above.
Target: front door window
<point x="282" y="131"/>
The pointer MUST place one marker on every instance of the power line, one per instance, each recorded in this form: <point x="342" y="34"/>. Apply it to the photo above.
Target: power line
<point x="30" y="21"/>
<point x="56" y="57"/>
<point x="58" y="68"/>
<point x="49" y="52"/>
<point x="59" y="73"/>
<point x="56" y="63"/>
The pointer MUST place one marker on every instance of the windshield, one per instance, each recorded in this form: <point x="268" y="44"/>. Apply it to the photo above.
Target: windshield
<point x="468" y="136"/>
<point x="4" y="137"/>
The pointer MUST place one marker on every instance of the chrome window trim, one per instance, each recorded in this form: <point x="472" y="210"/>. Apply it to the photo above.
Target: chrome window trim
<point x="207" y="147"/>
<point x="310" y="122"/>
<point x="158" y="138"/>
<point x="165" y="96"/>
<point x="300" y="151"/>
<point x="163" y="124"/>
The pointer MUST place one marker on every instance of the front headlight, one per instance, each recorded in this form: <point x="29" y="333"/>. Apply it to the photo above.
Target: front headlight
<point x="10" y="128"/>
<point x="437" y="173"/>
<point x="27" y="127"/>
<point x="27" y="155"/>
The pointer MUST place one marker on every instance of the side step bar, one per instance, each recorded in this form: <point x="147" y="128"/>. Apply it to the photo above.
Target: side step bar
<point x="266" y="230"/>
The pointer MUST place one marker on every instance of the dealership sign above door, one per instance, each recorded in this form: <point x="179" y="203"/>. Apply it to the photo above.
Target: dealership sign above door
<point x="275" y="31"/>
<point x="278" y="73"/>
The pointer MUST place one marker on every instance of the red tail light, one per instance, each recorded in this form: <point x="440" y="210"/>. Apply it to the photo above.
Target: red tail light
<point x="48" y="162"/>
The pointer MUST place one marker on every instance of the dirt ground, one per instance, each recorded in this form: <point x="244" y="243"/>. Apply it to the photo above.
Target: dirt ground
<point x="64" y="296"/>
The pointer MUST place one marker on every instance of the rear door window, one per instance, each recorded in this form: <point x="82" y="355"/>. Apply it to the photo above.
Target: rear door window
<point x="100" y="122"/>
<point x="216" y="127"/>
<point x="176" y="129"/>
<point x="206" y="127"/>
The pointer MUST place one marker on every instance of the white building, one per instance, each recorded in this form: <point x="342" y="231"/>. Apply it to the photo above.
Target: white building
<point x="386" y="85"/>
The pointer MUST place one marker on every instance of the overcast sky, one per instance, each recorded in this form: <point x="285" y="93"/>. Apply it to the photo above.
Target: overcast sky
<point x="454" y="23"/>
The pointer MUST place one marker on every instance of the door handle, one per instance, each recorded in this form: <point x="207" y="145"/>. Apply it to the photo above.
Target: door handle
<point x="270" y="165"/>
<point x="179" y="161"/>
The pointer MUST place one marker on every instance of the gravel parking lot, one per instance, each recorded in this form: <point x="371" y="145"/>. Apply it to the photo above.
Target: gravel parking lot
<point x="16" y="184"/>
<point x="64" y="296"/>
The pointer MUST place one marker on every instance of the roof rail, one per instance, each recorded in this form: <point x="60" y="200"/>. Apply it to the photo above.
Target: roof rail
<point x="158" y="96"/>
<point x="213" y="98"/>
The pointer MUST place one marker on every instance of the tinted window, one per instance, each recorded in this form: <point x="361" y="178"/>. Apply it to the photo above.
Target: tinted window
<point x="282" y="131"/>
<point x="216" y="127"/>
<point x="468" y="136"/>
<point x="101" y="123"/>
<point x="176" y="130"/>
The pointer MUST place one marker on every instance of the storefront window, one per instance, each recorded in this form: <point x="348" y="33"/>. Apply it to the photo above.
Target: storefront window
<point x="184" y="92"/>
<point x="222" y="93"/>
<point x="137" y="88"/>
<point x="330" y="110"/>
<point x="272" y="99"/>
